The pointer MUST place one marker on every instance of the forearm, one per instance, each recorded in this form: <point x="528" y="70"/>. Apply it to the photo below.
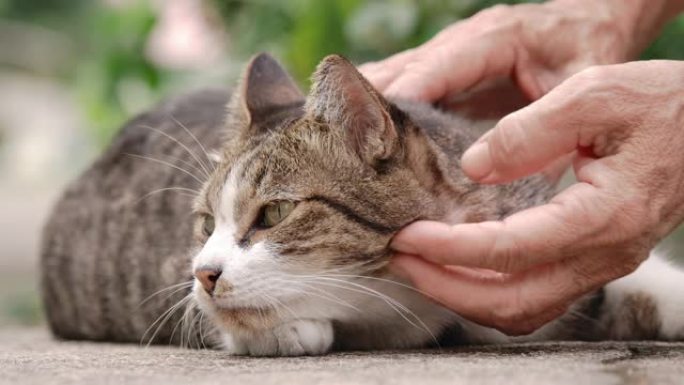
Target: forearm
<point x="639" y="21"/>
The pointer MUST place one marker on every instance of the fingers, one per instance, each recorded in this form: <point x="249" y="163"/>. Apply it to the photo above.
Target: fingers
<point x="530" y="139"/>
<point x="532" y="237"/>
<point x="557" y="169"/>
<point x="449" y="63"/>
<point x="451" y="66"/>
<point x="514" y="304"/>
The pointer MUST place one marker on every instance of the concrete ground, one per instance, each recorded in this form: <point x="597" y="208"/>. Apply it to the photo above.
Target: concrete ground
<point x="31" y="356"/>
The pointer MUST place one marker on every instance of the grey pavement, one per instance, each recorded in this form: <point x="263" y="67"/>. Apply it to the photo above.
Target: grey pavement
<point x="31" y="356"/>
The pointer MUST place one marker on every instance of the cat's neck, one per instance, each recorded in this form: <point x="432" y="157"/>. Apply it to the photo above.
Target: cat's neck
<point x="435" y="141"/>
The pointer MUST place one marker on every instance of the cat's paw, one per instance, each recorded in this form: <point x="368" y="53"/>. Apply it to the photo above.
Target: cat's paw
<point x="233" y="345"/>
<point x="304" y="337"/>
<point x="294" y="338"/>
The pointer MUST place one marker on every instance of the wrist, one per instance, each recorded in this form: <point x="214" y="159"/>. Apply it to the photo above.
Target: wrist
<point x="637" y="22"/>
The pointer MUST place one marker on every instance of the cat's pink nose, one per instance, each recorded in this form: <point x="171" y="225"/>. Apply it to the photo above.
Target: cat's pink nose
<point x="208" y="277"/>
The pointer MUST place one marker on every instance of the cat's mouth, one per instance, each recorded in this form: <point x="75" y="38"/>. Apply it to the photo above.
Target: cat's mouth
<point x="230" y="305"/>
<point x="236" y="316"/>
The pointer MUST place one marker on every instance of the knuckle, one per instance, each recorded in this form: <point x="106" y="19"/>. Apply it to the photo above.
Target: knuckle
<point x="591" y="79"/>
<point x="506" y="255"/>
<point x="633" y="219"/>
<point x="506" y="141"/>
<point x="505" y="252"/>
<point x="584" y="217"/>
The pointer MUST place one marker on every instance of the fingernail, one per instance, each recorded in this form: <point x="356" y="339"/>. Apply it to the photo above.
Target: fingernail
<point x="476" y="162"/>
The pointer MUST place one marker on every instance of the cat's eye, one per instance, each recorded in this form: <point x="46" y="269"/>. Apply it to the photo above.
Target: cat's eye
<point x="208" y="225"/>
<point x="276" y="211"/>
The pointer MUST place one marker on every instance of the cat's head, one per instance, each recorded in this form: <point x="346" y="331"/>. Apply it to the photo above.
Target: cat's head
<point x="307" y="187"/>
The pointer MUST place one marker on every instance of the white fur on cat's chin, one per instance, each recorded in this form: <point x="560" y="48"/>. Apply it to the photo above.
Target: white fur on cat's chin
<point x="256" y="280"/>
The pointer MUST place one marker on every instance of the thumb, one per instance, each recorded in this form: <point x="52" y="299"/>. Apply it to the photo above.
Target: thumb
<point x="528" y="140"/>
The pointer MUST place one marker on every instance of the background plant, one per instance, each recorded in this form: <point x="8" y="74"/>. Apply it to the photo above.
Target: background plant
<point x="106" y="43"/>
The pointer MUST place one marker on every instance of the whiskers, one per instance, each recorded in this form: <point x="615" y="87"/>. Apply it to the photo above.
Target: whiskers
<point x="173" y="289"/>
<point x="161" y="321"/>
<point x="192" y="193"/>
<point x="402" y="310"/>
<point x="201" y="146"/>
<point x="168" y="164"/>
<point x="202" y="164"/>
<point x="330" y="286"/>
<point x="199" y="171"/>
<point x="190" y="326"/>
<point x="275" y="291"/>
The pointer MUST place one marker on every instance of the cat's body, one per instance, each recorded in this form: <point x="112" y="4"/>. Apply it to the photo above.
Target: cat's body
<point x="340" y="176"/>
<point x="114" y="239"/>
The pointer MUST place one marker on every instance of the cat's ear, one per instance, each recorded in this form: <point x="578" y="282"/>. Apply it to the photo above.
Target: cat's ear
<point x="265" y="92"/>
<point x="343" y="99"/>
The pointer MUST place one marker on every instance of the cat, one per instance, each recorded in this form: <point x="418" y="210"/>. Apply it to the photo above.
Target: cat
<point x="295" y="200"/>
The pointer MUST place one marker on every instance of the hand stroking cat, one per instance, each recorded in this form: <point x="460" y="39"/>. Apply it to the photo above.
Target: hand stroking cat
<point x="266" y="230"/>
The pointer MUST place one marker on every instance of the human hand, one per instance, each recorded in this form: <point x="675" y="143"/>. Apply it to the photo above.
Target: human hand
<point x="626" y="124"/>
<point x="539" y="45"/>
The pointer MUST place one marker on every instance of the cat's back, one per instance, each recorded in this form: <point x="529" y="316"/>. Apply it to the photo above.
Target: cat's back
<point x="123" y="229"/>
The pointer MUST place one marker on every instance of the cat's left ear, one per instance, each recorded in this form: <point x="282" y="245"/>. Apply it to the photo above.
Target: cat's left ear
<point x="342" y="98"/>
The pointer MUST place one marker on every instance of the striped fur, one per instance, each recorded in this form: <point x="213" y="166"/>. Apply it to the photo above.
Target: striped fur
<point x="358" y="168"/>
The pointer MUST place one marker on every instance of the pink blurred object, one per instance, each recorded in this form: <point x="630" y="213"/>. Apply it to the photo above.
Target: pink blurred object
<point x="188" y="35"/>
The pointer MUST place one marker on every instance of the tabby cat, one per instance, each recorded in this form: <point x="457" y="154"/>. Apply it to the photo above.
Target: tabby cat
<point x="270" y="226"/>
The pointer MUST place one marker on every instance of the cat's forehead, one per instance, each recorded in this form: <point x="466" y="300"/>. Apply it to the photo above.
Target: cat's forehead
<point x="277" y="165"/>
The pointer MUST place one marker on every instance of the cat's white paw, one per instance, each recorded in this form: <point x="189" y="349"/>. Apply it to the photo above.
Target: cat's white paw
<point x="304" y="337"/>
<point x="232" y="345"/>
<point x="294" y="338"/>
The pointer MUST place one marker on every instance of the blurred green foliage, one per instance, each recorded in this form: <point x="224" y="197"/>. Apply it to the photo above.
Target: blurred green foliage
<point x="115" y="60"/>
<point x="108" y="57"/>
<point x="21" y="307"/>
<point x="670" y="43"/>
<point x="304" y="31"/>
